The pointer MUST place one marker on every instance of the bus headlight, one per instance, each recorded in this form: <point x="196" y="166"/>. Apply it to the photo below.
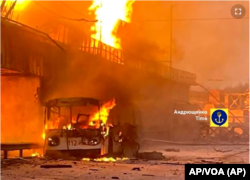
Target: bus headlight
<point x="90" y="141"/>
<point x="53" y="141"/>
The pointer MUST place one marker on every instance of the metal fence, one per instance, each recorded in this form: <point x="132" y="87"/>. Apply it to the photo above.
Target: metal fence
<point x="115" y="55"/>
<point x="107" y="52"/>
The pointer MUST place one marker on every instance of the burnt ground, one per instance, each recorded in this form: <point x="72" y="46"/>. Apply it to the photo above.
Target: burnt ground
<point x="169" y="168"/>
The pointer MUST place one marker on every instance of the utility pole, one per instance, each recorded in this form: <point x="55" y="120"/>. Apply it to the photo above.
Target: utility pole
<point x="171" y="35"/>
<point x="101" y="22"/>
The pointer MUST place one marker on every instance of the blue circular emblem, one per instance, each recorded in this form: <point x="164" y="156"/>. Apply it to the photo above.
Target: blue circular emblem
<point x="219" y="117"/>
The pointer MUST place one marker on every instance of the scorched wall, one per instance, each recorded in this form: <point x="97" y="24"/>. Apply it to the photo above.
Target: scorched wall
<point x="21" y="112"/>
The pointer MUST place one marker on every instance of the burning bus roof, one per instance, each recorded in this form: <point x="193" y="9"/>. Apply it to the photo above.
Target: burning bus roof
<point x="80" y="101"/>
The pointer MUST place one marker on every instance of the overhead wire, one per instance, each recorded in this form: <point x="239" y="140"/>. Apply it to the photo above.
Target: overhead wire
<point x="204" y="19"/>
<point x="73" y="9"/>
<point x="81" y="14"/>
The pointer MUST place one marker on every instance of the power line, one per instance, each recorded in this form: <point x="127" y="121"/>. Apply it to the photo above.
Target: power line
<point x="73" y="9"/>
<point x="82" y="19"/>
<point x="164" y="20"/>
<point x="76" y="12"/>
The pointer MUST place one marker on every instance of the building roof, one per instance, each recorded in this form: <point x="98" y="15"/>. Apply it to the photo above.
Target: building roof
<point x="73" y="101"/>
<point x="19" y="27"/>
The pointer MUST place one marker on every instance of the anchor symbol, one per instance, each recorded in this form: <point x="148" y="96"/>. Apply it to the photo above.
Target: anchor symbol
<point x="219" y="116"/>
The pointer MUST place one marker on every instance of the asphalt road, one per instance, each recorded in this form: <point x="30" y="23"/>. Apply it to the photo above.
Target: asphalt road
<point x="170" y="168"/>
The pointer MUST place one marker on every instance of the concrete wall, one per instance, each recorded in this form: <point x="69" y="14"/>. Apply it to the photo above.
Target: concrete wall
<point x="21" y="112"/>
<point x="142" y="98"/>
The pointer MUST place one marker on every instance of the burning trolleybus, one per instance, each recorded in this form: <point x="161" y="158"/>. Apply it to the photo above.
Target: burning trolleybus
<point x="74" y="127"/>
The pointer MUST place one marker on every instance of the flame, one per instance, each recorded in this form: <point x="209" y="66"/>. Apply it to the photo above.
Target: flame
<point x="36" y="155"/>
<point x="102" y="114"/>
<point x="109" y="13"/>
<point x="43" y="135"/>
<point x="45" y="128"/>
<point x="20" y="4"/>
<point x="85" y="159"/>
<point x="67" y="127"/>
<point x="106" y="159"/>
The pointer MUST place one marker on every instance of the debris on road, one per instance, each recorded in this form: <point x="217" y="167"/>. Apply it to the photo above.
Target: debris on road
<point x="18" y="158"/>
<point x="206" y="158"/>
<point x="115" y="178"/>
<point x="136" y="169"/>
<point x="211" y="162"/>
<point x="172" y="163"/>
<point x="148" y="175"/>
<point x="172" y="150"/>
<point x="237" y="153"/>
<point x="55" y="166"/>
<point x="93" y="169"/>
<point x="222" y="151"/>
<point x="151" y="155"/>
<point x="175" y="173"/>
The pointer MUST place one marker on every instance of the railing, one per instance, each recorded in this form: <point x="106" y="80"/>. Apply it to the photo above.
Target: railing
<point x="115" y="55"/>
<point x="107" y="52"/>
<point x="165" y="71"/>
<point x="238" y="119"/>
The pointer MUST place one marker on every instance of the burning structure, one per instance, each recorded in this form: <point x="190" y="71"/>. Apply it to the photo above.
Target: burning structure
<point x="76" y="125"/>
<point x="92" y="68"/>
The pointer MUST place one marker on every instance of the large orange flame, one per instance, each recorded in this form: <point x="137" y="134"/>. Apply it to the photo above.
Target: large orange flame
<point x="103" y="113"/>
<point x="109" y="13"/>
<point x="20" y="4"/>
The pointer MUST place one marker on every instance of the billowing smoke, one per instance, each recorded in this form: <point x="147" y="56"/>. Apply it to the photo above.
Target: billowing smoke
<point x="137" y="46"/>
<point x="206" y="40"/>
